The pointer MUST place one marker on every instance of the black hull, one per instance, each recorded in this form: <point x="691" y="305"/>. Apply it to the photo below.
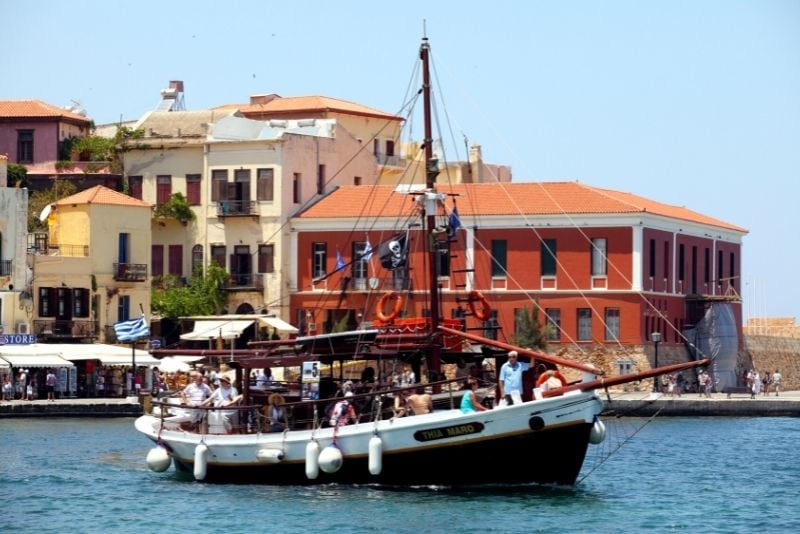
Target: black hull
<point x="545" y="457"/>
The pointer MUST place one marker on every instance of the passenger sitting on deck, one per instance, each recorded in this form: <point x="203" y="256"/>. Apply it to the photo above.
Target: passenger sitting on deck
<point x="343" y="412"/>
<point x="400" y="404"/>
<point x="420" y="402"/>
<point x="469" y="402"/>
<point x="275" y="413"/>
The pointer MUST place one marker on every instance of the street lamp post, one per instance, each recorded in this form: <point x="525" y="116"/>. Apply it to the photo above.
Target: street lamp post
<point x="656" y="337"/>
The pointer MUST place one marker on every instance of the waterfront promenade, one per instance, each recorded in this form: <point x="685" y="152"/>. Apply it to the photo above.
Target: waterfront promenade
<point x="634" y="404"/>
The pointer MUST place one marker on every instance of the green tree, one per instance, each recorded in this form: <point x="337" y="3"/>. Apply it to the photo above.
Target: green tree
<point x="203" y="295"/>
<point x="17" y="175"/>
<point x="176" y="208"/>
<point x="530" y="333"/>
<point x="39" y="199"/>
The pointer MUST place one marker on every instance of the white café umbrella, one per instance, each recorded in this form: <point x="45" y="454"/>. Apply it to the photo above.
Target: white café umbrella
<point x="170" y="364"/>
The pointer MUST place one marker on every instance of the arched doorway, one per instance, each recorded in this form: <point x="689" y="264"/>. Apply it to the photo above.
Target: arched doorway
<point x="245" y="309"/>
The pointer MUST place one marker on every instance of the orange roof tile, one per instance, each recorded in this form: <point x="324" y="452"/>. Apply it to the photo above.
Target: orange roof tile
<point x="100" y="194"/>
<point x="36" y="109"/>
<point x="308" y="104"/>
<point x="528" y="198"/>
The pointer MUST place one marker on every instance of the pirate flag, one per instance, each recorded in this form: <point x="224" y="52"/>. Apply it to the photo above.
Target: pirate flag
<point x="393" y="253"/>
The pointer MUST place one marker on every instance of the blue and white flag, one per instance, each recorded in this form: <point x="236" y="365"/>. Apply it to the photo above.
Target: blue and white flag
<point x="340" y="264"/>
<point x="367" y="254"/>
<point x="132" y="330"/>
<point x="454" y="222"/>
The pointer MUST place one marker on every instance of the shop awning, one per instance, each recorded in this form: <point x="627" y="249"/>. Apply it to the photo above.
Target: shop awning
<point x="205" y="330"/>
<point x="280" y="324"/>
<point x="35" y="360"/>
<point x="106" y="354"/>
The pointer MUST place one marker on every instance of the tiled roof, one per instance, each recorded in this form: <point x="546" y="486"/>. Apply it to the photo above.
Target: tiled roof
<point x="528" y="198"/>
<point x="36" y="109"/>
<point x="309" y="104"/>
<point x="180" y="123"/>
<point x="101" y="195"/>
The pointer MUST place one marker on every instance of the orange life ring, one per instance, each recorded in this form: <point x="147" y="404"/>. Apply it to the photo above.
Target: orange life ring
<point x="547" y="375"/>
<point x="485" y="312"/>
<point x="398" y="306"/>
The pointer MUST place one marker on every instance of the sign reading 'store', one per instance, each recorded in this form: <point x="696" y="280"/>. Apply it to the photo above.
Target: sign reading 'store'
<point x="17" y="339"/>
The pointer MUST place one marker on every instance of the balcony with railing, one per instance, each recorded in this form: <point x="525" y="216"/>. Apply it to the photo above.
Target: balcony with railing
<point x="130" y="272"/>
<point x="245" y="282"/>
<point x="64" y="329"/>
<point x="39" y="243"/>
<point x="391" y="161"/>
<point x="387" y="283"/>
<point x="5" y="267"/>
<point x="236" y="208"/>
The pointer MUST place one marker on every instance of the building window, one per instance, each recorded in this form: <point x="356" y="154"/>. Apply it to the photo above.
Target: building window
<point x="707" y="266"/>
<point x="612" y="324"/>
<point x="163" y="188"/>
<point x="135" y="186"/>
<point x="599" y="252"/>
<point x="652" y="267"/>
<point x="296" y="188"/>
<point x="624" y="367"/>
<point x="584" y="324"/>
<point x="219" y="185"/>
<point x="694" y="270"/>
<point x="548" y="257"/>
<point x="443" y="258"/>
<point x="490" y="326"/>
<point x="193" y="189"/>
<point x="681" y="259"/>
<point x="218" y="255"/>
<point x="197" y="258"/>
<point x="266" y="258"/>
<point x="376" y="146"/>
<point x="553" y="324"/>
<point x="720" y="272"/>
<point x="157" y="260"/>
<point x="320" y="179"/>
<point x="360" y="265"/>
<point x="24" y="146"/>
<point x="176" y="260"/>
<point x="665" y="260"/>
<point x="80" y="302"/>
<point x="319" y="259"/>
<point x="400" y="279"/>
<point x="123" y="308"/>
<point x="265" y="185"/>
<point x="732" y="269"/>
<point x="45" y="309"/>
<point x="241" y="190"/>
<point x="499" y="256"/>
<point x="356" y="180"/>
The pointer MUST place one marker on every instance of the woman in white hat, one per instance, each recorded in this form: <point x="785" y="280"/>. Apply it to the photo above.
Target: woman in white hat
<point x="225" y="395"/>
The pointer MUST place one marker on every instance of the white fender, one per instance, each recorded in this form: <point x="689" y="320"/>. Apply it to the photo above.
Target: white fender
<point x="312" y="463"/>
<point x="375" y="455"/>
<point x="158" y="459"/>
<point x="331" y="459"/>
<point x="598" y="432"/>
<point x="270" y="456"/>
<point x="200" y="461"/>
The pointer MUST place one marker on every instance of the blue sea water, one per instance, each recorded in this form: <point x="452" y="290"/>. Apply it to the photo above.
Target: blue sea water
<point x="674" y="474"/>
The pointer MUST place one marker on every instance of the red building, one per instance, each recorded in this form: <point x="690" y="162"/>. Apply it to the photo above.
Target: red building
<point x="600" y="266"/>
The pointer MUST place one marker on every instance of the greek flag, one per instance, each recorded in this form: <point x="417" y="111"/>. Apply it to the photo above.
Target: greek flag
<point x="132" y="330"/>
<point x="340" y="264"/>
<point x="367" y="254"/>
<point x="454" y="222"/>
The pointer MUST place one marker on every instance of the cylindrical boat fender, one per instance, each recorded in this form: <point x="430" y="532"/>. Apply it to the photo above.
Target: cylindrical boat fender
<point x="312" y="460"/>
<point x="375" y="455"/>
<point x="598" y="432"/>
<point x="200" y="461"/>
<point x="270" y="456"/>
<point x="158" y="459"/>
<point x="331" y="459"/>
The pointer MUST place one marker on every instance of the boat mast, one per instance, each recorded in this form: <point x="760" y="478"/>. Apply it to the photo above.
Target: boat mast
<point x="431" y="170"/>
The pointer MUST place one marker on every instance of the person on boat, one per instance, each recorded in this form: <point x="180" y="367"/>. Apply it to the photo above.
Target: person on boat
<point x="469" y="402"/>
<point x="400" y="404"/>
<point x="275" y="413"/>
<point x="510" y="378"/>
<point x="420" y="402"/>
<point x="275" y="335"/>
<point x="225" y="395"/>
<point x="343" y="412"/>
<point x="195" y="394"/>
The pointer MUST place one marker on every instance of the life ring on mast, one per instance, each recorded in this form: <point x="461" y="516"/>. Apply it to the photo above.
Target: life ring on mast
<point x="547" y="375"/>
<point x="398" y="306"/>
<point x="485" y="310"/>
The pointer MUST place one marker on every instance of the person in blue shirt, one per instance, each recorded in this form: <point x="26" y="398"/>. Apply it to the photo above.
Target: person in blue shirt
<point x="469" y="402"/>
<point x="510" y="378"/>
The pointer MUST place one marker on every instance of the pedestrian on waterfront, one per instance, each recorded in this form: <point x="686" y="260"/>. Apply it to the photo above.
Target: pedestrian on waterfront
<point x="766" y="382"/>
<point x="510" y="378"/>
<point x="680" y="382"/>
<point x="29" y="391"/>
<point x="776" y="381"/>
<point x="469" y="402"/>
<point x="8" y="390"/>
<point x="705" y="384"/>
<point x="671" y="385"/>
<point x="756" y="388"/>
<point x="750" y="379"/>
<point x="419" y="402"/>
<point x="50" y="382"/>
<point x="22" y="382"/>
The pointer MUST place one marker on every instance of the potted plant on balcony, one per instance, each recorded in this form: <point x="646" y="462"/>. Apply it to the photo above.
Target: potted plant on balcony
<point x="177" y="207"/>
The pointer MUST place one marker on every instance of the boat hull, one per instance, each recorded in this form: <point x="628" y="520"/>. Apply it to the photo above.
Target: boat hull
<point x="537" y="442"/>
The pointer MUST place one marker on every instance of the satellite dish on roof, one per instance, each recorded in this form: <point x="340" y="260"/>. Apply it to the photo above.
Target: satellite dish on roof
<point x="45" y="212"/>
<point x="76" y="108"/>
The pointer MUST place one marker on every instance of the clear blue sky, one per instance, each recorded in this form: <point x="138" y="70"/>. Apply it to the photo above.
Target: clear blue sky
<point x="695" y="103"/>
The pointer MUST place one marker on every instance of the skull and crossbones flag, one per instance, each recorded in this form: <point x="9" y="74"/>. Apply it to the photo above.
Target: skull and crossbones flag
<point x="393" y="253"/>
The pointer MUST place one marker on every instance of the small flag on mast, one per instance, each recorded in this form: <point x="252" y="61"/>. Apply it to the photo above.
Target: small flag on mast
<point x="132" y="330"/>
<point x="340" y="264"/>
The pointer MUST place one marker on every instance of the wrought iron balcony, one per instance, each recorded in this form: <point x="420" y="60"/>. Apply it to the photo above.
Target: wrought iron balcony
<point x="245" y="282"/>
<point x="58" y="328"/>
<point x="236" y="208"/>
<point x="130" y="272"/>
<point x="39" y="243"/>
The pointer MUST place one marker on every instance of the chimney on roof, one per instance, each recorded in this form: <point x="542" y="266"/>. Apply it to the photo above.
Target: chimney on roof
<point x="172" y="97"/>
<point x="476" y="163"/>
<point x="263" y="99"/>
